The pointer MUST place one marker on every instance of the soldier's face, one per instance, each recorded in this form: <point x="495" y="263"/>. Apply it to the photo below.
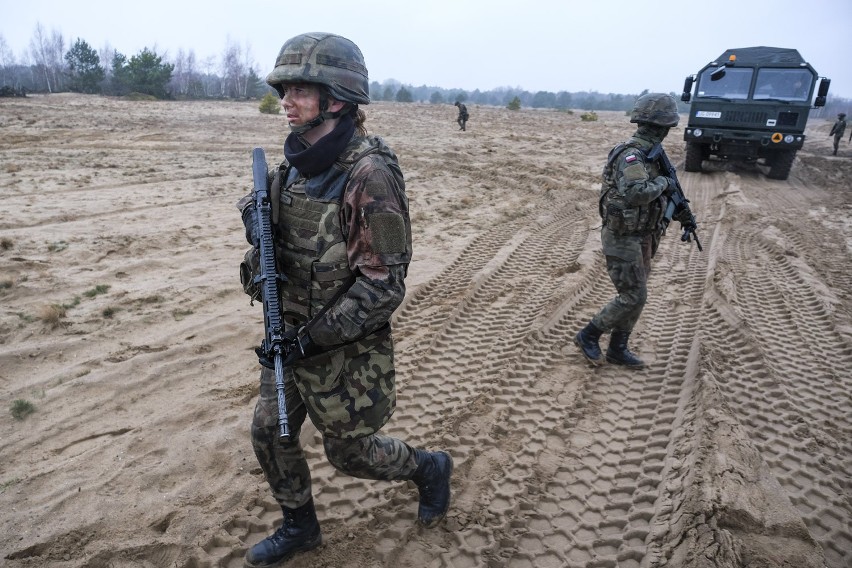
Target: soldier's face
<point x="301" y="103"/>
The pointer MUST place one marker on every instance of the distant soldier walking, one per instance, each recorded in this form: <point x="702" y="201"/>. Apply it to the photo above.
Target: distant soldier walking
<point x="838" y="130"/>
<point x="463" y="115"/>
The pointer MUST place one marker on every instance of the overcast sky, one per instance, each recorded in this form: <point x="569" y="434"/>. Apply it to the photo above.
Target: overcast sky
<point x="608" y="46"/>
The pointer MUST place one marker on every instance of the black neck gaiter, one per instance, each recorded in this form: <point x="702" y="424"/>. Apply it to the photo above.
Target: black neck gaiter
<point x="311" y="160"/>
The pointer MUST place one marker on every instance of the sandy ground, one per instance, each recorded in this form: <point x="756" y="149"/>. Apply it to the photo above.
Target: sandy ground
<point x="731" y="449"/>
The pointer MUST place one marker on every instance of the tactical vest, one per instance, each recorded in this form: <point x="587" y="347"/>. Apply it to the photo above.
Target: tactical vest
<point x="310" y="246"/>
<point x="618" y="215"/>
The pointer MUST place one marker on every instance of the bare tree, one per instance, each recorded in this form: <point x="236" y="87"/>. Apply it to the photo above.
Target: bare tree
<point x="39" y="49"/>
<point x="7" y="62"/>
<point x="232" y="69"/>
<point x="210" y="79"/>
<point x="179" y="80"/>
<point x="47" y="51"/>
<point x="107" y="54"/>
<point x="185" y="77"/>
<point x="248" y="68"/>
<point x="192" y="73"/>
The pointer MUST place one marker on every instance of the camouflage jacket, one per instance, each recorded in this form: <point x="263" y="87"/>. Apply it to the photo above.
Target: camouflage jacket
<point x="351" y="219"/>
<point x="632" y="202"/>
<point x="343" y="239"/>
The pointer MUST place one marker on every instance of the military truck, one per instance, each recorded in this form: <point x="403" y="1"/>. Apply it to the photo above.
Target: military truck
<point x="751" y="104"/>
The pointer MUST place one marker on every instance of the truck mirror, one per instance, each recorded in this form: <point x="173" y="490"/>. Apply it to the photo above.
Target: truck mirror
<point x="687" y="89"/>
<point x="822" y="92"/>
<point x="718" y="73"/>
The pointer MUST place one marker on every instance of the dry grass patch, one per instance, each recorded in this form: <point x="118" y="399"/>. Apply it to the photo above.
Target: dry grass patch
<point x="52" y="314"/>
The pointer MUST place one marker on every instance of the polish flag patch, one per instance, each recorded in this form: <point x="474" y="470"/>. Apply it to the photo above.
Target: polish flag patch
<point x="630" y="159"/>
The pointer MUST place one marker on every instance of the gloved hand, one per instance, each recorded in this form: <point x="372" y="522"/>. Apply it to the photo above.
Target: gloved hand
<point x="288" y="344"/>
<point x="262" y="357"/>
<point x="684" y="216"/>
<point x="671" y="185"/>
<point x="298" y="344"/>
<point x="251" y="223"/>
<point x="303" y="345"/>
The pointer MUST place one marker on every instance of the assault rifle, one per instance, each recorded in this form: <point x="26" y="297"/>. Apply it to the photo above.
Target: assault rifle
<point x="275" y="346"/>
<point x="678" y="206"/>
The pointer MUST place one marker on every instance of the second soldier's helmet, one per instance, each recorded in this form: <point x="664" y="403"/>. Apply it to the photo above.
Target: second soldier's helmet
<point x="841" y="116"/>
<point x="323" y="58"/>
<point x="655" y="108"/>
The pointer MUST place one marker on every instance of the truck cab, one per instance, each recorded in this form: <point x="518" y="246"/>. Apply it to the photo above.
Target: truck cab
<point x="751" y="104"/>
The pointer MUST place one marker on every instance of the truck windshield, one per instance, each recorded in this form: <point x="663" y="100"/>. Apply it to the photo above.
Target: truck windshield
<point x="783" y="84"/>
<point x="734" y="85"/>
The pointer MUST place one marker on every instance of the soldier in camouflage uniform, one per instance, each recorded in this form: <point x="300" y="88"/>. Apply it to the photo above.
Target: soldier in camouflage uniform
<point x="342" y="238"/>
<point x="838" y="129"/>
<point x="463" y="115"/>
<point x="633" y="200"/>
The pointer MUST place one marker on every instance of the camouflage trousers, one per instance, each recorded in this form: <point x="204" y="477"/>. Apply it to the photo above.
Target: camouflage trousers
<point x="283" y="461"/>
<point x="629" y="273"/>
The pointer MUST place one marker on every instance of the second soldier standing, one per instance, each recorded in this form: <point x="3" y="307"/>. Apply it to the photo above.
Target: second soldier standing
<point x="633" y="200"/>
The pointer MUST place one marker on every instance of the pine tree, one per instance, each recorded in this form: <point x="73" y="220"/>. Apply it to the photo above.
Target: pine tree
<point x="84" y="66"/>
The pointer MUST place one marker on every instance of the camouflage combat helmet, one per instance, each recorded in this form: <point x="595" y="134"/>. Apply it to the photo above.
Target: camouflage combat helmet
<point x="655" y="108"/>
<point x="323" y="58"/>
<point x="841" y="116"/>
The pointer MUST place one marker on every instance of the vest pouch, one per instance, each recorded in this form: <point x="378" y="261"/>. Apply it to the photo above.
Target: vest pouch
<point x="620" y="221"/>
<point x="326" y="279"/>
<point x="350" y="392"/>
<point x="631" y="220"/>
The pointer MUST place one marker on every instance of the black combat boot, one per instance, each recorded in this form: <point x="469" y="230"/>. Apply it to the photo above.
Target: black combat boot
<point x="299" y="532"/>
<point x="619" y="354"/>
<point x="432" y="478"/>
<point x="587" y="340"/>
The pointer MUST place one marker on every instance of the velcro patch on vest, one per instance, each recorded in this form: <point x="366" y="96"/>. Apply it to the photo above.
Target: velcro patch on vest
<point x="376" y="188"/>
<point x="388" y="232"/>
<point x="631" y="158"/>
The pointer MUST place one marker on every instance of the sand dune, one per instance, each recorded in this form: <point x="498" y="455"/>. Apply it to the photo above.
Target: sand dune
<point x="731" y="449"/>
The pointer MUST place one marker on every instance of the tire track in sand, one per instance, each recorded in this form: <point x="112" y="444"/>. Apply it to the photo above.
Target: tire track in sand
<point x="601" y="467"/>
<point x="467" y="325"/>
<point x="792" y="389"/>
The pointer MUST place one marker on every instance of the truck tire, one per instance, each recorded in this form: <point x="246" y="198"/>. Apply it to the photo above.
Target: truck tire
<point x="780" y="164"/>
<point x="694" y="157"/>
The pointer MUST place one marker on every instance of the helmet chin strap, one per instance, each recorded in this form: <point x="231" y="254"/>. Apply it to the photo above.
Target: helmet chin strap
<point x="309" y="125"/>
<point x="321" y="117"/>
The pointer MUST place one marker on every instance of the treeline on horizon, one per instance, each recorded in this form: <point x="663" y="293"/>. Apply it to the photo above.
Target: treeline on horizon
<point x="49" y="67"/>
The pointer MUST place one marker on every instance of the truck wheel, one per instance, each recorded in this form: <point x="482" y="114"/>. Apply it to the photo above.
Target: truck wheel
<point x="694" y="157"/>
<point x="780" y="164"/>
